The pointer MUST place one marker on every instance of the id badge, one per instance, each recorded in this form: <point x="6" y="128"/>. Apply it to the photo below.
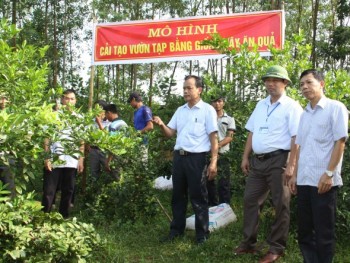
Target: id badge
<point x="263" y="130"/>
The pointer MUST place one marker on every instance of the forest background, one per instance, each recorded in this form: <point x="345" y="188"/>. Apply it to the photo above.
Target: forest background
<point x="42" y="52"/>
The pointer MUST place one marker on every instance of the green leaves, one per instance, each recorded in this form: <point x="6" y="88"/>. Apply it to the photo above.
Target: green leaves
<point x="29" y="235"/>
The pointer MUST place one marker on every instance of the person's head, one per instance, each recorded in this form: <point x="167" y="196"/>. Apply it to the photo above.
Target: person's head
<point x="218" y="102"/>
<point x="276" y="80"/>
<point x="101" y="103"/>
<point x="69" y="97"/>
<point x="312" y="84"/>
<point x="134" y="99"/>
<point x="3" y="102"/>
<point x="192" y="88"/>
<point x="111" y="112"/>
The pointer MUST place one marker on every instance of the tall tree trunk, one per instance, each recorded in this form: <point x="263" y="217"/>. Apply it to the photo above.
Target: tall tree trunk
<point x="134" y="77"/>
<point x="14" y="19"/>
<point x="118" y="80"/>
<point x="123" y="80"/>
<point x="63" y="82"/>
<point x="131" y="76"/>
<point x="150" y="90"/>
<point x="171" y="81"/>
<point x="55" y="52"/>
<point x="314" y="32"/>
<point x="46" y="22"/>
<point x="115" y="86"/>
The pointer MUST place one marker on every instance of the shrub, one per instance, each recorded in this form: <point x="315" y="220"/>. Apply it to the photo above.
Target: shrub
<point x="29" y="235"/>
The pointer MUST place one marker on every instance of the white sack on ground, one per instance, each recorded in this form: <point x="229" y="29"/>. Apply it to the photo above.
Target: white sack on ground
<point x="162" y="183"/>
<point x="219" y="216"/>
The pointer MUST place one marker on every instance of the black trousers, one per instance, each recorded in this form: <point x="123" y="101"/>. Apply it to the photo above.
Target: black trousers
<point x="6" y="177"/>
<point x="219" y="189"/>
<point x="316" y="224"/>
<point x="189" y="178"/>
<point x="65" y="177"/>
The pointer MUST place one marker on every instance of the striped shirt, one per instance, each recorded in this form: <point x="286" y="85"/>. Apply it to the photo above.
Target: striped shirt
<point x="225" y="123"/>
<point x="318" y="131"/>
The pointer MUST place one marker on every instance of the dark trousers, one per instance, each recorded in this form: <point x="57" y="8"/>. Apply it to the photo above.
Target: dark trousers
<point x="97" y="160"/>
<point x="6" y="177"/>
<point x="219" y="189"/>
<point x="64" y="176"/>
<point x="316" y="224"/>
<point x="189" y="178"/>
<point x="266" y="176"/>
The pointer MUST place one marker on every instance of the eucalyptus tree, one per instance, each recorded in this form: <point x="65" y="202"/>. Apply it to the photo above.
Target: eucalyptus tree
<point x="53" y="23"/>
<point x="335" y="51"/>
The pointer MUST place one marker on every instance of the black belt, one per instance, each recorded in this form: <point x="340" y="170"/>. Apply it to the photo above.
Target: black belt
<point x="185" y="153"/>
<point x="264" y="156"/>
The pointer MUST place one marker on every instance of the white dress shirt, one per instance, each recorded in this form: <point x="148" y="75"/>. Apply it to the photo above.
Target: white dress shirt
<point x="318" y="131"/>
<point x="273" y="125"/>
<point x="193" y="126"/>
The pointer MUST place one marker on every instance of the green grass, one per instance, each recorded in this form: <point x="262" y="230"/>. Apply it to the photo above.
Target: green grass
<point x="139" y="242"/>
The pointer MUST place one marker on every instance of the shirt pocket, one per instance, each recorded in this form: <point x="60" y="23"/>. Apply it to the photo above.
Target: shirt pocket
<point x="197" y="130"/>
<point x="322" y="132"/>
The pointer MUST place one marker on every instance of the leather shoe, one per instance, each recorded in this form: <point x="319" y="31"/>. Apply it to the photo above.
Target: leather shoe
<point x="270" y="257"/>
<point x="201" y="241"/>
<point x="243" y="251"/>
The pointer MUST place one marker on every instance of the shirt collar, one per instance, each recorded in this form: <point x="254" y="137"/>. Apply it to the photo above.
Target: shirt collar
<point x="321" y="103"/>
<point x="199" y="104"/>
<point x="224" y="115"/>
<point x="283" y="99"/>
<point x="115" y="119"/>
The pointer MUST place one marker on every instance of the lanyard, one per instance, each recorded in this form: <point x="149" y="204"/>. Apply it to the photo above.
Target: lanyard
<point x="267" y="110"/>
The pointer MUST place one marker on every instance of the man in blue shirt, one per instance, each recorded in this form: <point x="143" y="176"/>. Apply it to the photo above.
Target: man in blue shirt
<point x="142" y="114"/>
<point x="142" y="120"/>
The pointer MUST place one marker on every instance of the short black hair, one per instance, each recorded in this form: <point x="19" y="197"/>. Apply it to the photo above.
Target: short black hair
<point x="112" y="108"/>
<point x="199" y="81"/>
<point x="69" y="91"/>
<point x="135" y="95"/>
<point x="316" y="73"/>
<point x="101" y="103"/>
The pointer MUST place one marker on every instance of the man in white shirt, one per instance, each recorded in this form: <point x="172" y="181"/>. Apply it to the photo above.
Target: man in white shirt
<point x="221" y="192"/>
<point x="322" y="133"/>
<point x="196" y="128"/>
<point x="63" y="174"/>
<point x="272" y="129"/>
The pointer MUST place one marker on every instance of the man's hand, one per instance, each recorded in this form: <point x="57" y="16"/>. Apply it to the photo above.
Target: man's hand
<point x="325" y="184"/>
<point x="292" y="185"/>
<point x="48" y="165"/>
<point x="288" y="174"/>
<point x="107" y="166"/>
<point x="158" y="121"/>
<point x="245" y="166"/>
<point x="212" y="170"/>
<point x="80" y="165"/>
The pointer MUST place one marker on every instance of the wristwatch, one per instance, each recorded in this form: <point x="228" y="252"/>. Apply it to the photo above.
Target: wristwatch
<point x="329" y="173"/>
